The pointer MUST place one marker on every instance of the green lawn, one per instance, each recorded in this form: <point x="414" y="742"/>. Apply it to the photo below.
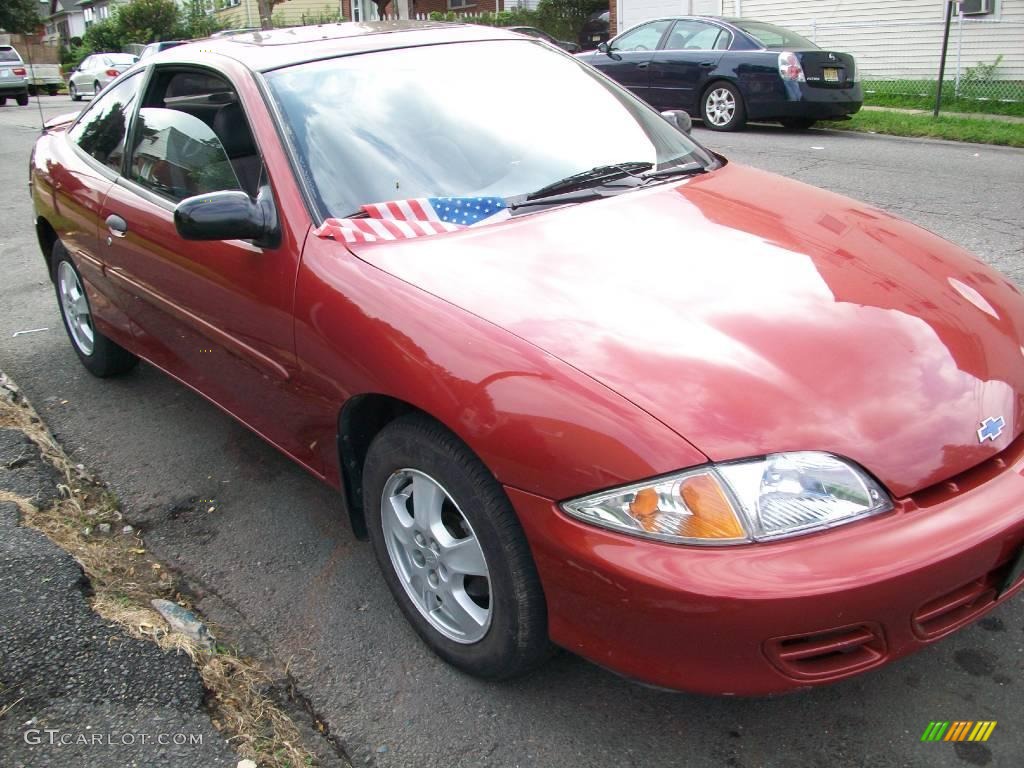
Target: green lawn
<point x="977" y="130"/>
<point x="995" y="97"/>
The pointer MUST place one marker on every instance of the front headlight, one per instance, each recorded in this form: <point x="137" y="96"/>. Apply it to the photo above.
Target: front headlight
<point x="779" y="495"/>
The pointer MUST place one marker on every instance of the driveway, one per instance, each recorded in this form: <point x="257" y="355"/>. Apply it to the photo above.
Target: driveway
<point x="269" y="551"/>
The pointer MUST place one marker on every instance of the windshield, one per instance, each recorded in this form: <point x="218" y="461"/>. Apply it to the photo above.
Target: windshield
<point x="482" y="119"/>
<point x="775" y="38"/>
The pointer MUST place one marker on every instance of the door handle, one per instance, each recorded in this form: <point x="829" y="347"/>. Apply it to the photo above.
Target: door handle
<point x="707" y="64"/>
<point x="642" y="65"/>
<point x="117" y="226"/>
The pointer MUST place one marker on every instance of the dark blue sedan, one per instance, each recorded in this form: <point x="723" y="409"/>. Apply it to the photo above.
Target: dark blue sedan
<point x="729" y="71"/>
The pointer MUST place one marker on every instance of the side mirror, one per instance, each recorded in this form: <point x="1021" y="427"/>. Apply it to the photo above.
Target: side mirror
<point x="229" y="215"/>
<point x="680" y="119"/>
<point x="602" y="47"/>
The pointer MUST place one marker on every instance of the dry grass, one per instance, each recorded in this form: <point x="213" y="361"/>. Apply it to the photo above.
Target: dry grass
<point x="125" y="577"/>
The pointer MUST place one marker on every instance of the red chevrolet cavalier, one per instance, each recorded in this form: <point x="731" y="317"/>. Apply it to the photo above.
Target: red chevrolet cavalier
<point x="581" y="381"/>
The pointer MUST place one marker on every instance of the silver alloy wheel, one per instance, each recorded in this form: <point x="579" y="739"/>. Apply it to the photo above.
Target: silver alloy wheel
<point x="75" y="308"/>
<point x="720" y="106"/>
<point x="436" y="555"/>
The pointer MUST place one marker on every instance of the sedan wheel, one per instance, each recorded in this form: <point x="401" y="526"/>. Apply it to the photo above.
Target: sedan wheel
<point x="722" y="108"/>
<point x="74" y="92"/>
<point x="99" y="354"/>
<point x="452" y="551"/>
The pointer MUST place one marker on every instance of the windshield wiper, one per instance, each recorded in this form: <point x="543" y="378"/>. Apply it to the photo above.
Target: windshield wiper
<point x="579" y="196"/>
<point x="597" y="175"/>
<point x="686" y="169"/>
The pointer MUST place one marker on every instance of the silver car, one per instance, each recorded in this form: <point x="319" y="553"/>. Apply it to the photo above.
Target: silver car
<point x="96" y="71"/>
<point x="13" y="82"/>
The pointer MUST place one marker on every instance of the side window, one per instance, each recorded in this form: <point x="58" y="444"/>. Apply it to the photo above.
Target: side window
<point x="178" y="155"/>
<point x="193" y="137"/>
<point x="697" y="36"/>
<point x="643" y="38"/>
<point x="102" y="130"/>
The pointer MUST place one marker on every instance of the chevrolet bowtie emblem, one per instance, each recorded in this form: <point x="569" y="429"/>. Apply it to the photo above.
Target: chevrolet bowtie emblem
<point x="991" y="428"/>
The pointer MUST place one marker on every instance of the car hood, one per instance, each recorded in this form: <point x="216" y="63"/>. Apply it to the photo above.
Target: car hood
<point x="753" y="314"/>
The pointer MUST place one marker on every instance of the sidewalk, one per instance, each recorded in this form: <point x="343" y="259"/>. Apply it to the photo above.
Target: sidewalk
<point x="943" y="113"/>
<point x="75" y="690"/>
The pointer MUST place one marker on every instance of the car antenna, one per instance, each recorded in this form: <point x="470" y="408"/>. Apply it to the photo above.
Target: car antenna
<point x="31" y="68"/>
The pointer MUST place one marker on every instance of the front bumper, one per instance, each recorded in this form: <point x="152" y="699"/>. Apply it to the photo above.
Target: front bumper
<point x="766" y="618"/>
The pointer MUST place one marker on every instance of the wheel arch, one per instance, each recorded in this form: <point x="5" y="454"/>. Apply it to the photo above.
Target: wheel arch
<point x="361" y="418"/>
<point x="47" y="237"/>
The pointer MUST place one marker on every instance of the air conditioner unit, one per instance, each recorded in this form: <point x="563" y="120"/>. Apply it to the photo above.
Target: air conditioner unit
<point x="977" y="7"/>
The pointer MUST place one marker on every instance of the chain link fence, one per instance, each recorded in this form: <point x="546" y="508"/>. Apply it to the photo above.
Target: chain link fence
<point x="898" y="61"/>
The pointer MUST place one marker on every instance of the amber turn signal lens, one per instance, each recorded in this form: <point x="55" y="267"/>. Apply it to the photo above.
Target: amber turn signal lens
<point x="713" y="516"/>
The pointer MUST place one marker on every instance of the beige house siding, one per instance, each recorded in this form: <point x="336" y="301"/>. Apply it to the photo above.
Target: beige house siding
<point x="900" y="40"/>
<point x="289" y="12"/>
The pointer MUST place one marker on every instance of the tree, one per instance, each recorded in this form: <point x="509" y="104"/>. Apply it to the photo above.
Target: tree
<point x="267" y="13"/>
<point x="147" y="21"/>
<point x="19" y="16"/>
<point x="196" y="22"/>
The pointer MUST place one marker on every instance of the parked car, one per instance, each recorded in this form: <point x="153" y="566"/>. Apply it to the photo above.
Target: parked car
<point x="96" y="72"/>
<point x="595" y="30"/>
<point x="13" y="76"/>
<point x="710" y="427"/>
<point x="729" y="71"/>
<point x="163" y="45"/>
<point x="540" y="34"/>
<point x="44" y="78"/>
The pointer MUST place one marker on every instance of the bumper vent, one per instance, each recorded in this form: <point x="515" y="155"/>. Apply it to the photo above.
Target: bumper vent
<point x="827" y="654"/>
<point x="954" y="609"/>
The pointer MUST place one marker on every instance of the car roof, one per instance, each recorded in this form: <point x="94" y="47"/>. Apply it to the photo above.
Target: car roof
<point x="263" y="51"/>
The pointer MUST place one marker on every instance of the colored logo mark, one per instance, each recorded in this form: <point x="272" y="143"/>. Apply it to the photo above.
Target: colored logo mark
<point x="991" y="428"/>
<point x="958" y="730"/>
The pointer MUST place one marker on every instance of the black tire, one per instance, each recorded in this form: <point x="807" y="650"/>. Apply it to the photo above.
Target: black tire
<point x="3" y="100"/>
<point x="798" y="123"/>
<point x="22" y="99"/>
<point x="96" y="87"/>
<point x="106" y="358"/>
<point x="52" y="91"/>
<point x="739" y="114"/>
<point x="31" y="90"/>
<point x="73" y="92"/>
<point x="516" y="641"/>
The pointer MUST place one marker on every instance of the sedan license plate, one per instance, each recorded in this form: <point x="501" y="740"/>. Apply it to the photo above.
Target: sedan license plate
<point x="1015" y="574"/>
<point x="595" y="38"/>
<point x="5" y="73"/>
<point x="830" y="74"/>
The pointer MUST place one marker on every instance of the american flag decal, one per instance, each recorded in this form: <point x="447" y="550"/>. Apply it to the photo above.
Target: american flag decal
<point x="415" y="217"/>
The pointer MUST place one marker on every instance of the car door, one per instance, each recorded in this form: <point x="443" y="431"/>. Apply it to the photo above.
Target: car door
<point x="680" y="69"/>
<point x="216" y="314"/>
<point x="78" y="77"/>
<point x="85" y="166"/>
<point x="629" y="56"/>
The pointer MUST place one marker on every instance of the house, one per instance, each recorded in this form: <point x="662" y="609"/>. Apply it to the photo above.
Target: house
<point x="236" y="14"/>
<point x="366" y="10"/>
<point x="889" y="40"/>
<point x="66" y="22"/>
<point x="95" y="10"/>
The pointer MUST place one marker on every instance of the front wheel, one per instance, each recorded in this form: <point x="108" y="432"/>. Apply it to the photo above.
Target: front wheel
<point x="73" y="91"/>
<point x="452" y="551"/>
<point x="722" y="108"/>
<point x="100" y="355"/>
<point x="96" y="88"/>
<point x="798" y="123"/>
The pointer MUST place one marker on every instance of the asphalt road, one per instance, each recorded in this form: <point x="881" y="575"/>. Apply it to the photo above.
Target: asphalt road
<point x="275" y="559"/>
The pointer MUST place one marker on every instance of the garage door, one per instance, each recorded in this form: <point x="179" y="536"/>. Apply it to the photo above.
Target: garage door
<point x="632" y="12"/>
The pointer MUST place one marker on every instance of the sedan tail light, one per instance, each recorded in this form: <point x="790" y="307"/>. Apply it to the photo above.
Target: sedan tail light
<point x="19" y="71"/>
<point x="112" y="73"/>
<point x="789" y="67"/>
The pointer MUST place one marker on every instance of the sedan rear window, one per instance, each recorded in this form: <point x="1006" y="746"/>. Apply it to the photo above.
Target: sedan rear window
<point x="772" y="37"/>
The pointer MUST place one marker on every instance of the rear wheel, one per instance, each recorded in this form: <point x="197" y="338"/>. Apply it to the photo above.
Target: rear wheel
<point x="452" y="551"/>
<point x="101" y="356"/>
<point x="96" y="87"/>
<point x="52" y="90"/>
<point x="73" y="91"/>
<point x="3" y="100"/>
<point x="722" y="108"/>
<point x="22" y="99"/>
<point x="798" y="123"/>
